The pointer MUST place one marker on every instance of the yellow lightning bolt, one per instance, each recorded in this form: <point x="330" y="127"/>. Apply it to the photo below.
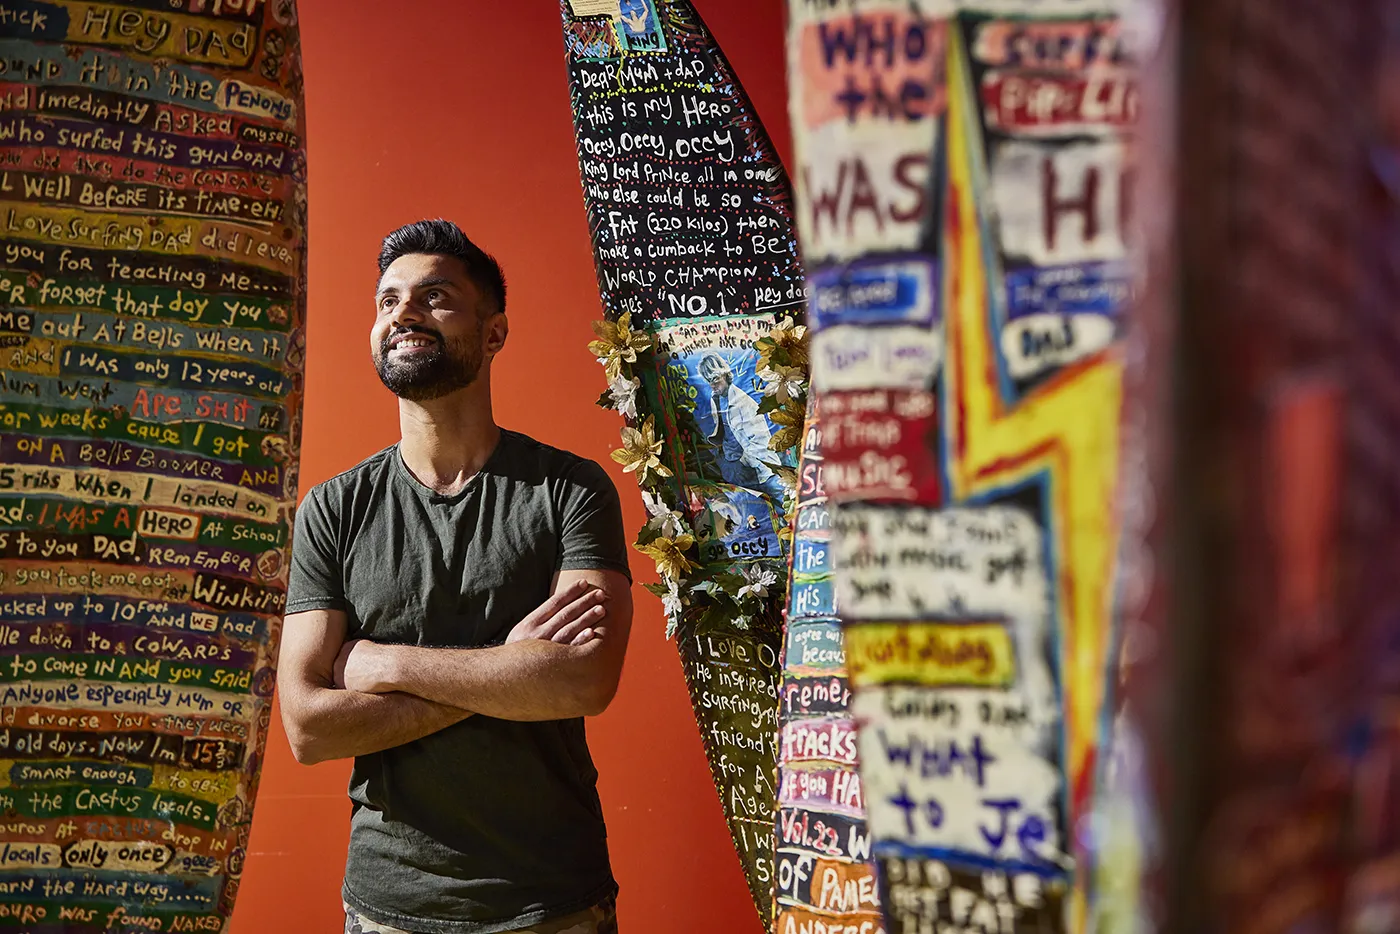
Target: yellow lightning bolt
<point x="1067" y="428"/>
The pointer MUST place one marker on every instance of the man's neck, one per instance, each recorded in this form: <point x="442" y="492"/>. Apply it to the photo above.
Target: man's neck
<point x="446" y="442"/>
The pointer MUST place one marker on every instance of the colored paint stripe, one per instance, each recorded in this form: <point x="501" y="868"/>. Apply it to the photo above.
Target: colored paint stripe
<point x="175" y="83"/>
<point x="169" y="236"/>
<point x="61" y="452"/>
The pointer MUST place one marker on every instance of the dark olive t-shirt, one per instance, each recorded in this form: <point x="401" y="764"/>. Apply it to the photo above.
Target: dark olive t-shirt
<point x="489" y="825"/>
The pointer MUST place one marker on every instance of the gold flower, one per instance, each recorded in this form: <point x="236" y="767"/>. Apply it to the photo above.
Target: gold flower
<point x="786" y="474"/>
<point x="640" y="451"/>
<point x="787" y="341"/>
<point x="790" y="416"/>
<point x="617" y="344"/>
<point x="669" y="555"/>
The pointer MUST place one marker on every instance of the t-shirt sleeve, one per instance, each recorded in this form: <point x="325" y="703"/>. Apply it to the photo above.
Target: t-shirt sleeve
<point x="592" y="534"/>
<point x="316" y="581"/>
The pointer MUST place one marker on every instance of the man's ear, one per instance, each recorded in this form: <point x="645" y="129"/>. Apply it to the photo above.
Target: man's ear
<point x="497" y="330"/>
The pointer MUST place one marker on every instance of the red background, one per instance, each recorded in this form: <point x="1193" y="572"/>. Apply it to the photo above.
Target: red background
<point x="460" y="109"/>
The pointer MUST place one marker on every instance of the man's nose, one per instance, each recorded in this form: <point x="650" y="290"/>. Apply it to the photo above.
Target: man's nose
<point x="405" y="312"/>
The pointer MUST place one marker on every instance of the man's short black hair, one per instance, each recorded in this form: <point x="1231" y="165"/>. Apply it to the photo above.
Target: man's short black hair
<point x="444" y="238"/>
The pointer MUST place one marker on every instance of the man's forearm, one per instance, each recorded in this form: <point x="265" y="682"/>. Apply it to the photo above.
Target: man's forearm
<point x="529" y="680"/>
<point x="329" y="723"/>
<point x="531" y="677"/>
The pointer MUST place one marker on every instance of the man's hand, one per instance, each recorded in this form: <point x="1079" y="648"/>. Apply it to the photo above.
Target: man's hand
<point x="363" y="666"/>
<point x="567" y="618"/>
<point x="636" y="20"/>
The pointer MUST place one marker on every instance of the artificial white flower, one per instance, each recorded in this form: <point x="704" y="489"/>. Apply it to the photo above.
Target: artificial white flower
<point x="657" y="509"/>
<point x="786" y="382"/>
<point x="672" y="603"/>
<point x="624" y="396"/>
<point x="759" y="580"/>
<point x="656" y="506"/>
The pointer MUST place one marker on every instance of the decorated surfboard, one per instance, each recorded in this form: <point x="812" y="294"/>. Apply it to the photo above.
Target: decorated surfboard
<point x="961" y="215"/>
<point x="152" y="306"/>
<point x="702" y="343"/>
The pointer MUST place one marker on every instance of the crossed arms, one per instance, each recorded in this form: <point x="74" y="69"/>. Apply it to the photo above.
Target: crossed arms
<point x="342" y="699"/>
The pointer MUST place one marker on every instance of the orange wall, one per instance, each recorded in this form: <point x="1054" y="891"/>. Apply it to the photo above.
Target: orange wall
<point x="459" y="108"/>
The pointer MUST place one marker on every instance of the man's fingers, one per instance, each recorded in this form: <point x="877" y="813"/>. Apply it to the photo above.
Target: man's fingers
<point x="585" y="637"/>
<point x="561" y="617"/>
<point x="591" y="634"/>
<point x="575" y="611"/>
<point x="557" y="602"/>
<point x="566" y="633"/>
<point x="594" y="597"/>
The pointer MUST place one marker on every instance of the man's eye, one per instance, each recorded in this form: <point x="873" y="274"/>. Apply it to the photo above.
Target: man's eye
<point x="434" y="295"/>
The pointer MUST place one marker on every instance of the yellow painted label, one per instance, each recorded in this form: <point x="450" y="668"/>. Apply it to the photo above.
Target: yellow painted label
<point x="933" y="654"/>
<point x="157" y="34"/>
<point x="172" y="236"/>
<point x="214" y="787"/>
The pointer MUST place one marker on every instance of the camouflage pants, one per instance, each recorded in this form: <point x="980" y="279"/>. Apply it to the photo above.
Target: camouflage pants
<point x="600" y="919"/>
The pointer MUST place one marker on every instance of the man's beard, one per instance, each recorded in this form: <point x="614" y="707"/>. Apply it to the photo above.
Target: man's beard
<point x="432" y="374"/>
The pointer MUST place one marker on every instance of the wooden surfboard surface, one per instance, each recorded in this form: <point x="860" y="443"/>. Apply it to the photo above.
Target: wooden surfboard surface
<point x="152" y="313"/>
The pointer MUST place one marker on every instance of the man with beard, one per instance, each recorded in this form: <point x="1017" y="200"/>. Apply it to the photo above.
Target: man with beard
<point x="458" y="603"/>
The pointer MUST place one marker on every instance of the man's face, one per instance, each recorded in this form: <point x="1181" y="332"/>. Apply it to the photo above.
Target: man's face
<point x="427" y="339"/>
<point x="719" y="381"/>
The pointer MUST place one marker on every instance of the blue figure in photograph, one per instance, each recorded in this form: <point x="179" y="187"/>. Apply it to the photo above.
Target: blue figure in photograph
<point x="639" y="28"/>
<point x="740" y="434"/>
